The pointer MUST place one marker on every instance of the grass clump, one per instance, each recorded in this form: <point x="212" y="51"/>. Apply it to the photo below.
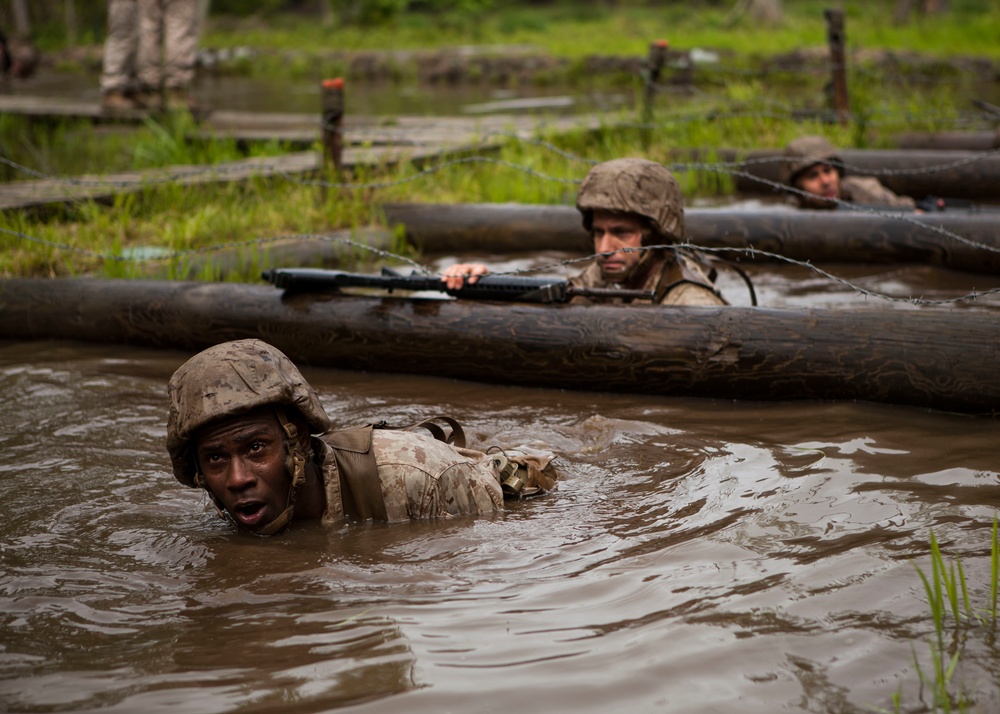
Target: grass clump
<point x="164" y="218"/>
<point x="960" y="624"/>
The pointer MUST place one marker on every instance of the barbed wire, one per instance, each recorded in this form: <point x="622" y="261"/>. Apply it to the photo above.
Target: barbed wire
<point x="157" y="176"/>
<point x="822" y="68"/>
<point x="735" y="169"/>
<point x="749" y="251"/>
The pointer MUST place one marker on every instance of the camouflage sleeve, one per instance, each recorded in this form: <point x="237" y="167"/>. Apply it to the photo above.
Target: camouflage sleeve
<point x="868" y="190"/>
<point x="425" y="478"/>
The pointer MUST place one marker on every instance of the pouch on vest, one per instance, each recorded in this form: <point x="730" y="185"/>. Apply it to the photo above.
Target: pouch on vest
<point x="524" y="475"/>
<point x="456" y="437"/>
<point x="360" y="485"/>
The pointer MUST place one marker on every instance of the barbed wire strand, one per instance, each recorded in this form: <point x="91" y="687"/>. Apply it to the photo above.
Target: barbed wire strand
<point x="426" y="270"/>
<point x="729" y="168"/>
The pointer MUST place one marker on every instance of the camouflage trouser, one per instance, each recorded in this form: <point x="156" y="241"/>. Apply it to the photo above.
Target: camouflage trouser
<point x="120" y="47"/>
<point x="168" y="42"/>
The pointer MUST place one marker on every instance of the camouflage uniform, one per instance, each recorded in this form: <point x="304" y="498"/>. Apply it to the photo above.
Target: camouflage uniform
<point x="419" y="477"/>
<point x="869" y="191"/>
<point x="118" y="72"/>
<point x="807" y="151"/>
<point x="170" y="26"/>
<point x="675" y="280"/>
<point x="367" y="473"/>
<point x="649" y="191"/>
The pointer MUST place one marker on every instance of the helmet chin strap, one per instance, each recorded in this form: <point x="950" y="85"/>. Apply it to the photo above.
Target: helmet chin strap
<point x="295" y="464"/>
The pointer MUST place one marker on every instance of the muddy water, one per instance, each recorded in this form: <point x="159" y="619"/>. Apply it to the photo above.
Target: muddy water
<point x="378" y="98"/>
<point x="699" y="555"/>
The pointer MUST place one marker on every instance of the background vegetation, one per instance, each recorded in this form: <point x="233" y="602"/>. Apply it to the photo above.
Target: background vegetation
<point x="741" y="109"/>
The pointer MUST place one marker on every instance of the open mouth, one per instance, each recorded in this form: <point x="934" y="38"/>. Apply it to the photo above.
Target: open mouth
<point x="249" y="514"/>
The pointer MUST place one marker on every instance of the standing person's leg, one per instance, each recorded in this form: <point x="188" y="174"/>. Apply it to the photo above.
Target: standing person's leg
<point x="149" y="55"/>
<point x="118" y="73"/>
<point x="181" y="27"/>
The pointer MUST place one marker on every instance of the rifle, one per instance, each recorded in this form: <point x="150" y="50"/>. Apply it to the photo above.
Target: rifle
<point x="506" y="288"/>
<point x="936" y="204"/>
<point x="932" y="204"/>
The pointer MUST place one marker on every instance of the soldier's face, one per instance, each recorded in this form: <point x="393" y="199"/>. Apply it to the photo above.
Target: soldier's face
<point x="822" y="181"/>
<point x="611" y="233"/>
<point x="243" y="462"/>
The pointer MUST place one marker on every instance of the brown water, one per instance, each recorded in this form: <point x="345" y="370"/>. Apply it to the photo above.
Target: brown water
<point x="379" y="98"/>
<point x="707" y="556"/>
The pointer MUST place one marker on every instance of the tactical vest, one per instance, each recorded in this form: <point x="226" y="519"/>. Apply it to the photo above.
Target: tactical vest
<point x="360" y="485"/>
<point x="361" y="488"/>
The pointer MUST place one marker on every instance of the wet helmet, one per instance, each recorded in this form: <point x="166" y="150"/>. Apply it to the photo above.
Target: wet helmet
<point x="634" y="186"/>
<point x="229" y="379"/>
<point x="807" y="151"/>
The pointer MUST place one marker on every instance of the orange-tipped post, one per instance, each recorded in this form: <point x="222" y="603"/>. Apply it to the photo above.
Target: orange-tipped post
<point x="332" y="95"/>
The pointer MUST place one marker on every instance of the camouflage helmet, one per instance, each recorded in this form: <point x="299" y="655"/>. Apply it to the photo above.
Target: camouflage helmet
<point x="229" y="379"/>
<point x="807" y="151"/>
<point x="634" y="186"/>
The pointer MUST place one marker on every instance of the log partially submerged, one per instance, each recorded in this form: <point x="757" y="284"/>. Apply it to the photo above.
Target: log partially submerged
<point x="933" y="359"/>
<point x="834" y="236"/>
<point x="949" y="140"/>
<point x="917" y="173"/>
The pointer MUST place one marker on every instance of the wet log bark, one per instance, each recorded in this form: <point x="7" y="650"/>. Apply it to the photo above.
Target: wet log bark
<point x="948" y="140"/>
<point x="834" y="236"/>
<point x="933" y="359"/>
<point x="955" y="174"/>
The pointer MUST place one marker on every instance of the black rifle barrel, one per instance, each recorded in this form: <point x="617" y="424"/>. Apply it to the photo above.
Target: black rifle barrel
<point x="504" y="288"/>
<point x="487" y="287"/>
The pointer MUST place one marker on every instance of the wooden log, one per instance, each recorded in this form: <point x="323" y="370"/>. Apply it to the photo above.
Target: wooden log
<point x="943" y="360"/>
<point x="955" y="174"/>
<point x="833" y="236"/>
<point x="948" y="140"/>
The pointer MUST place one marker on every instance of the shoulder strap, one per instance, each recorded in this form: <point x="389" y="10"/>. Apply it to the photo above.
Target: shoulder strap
<point x="360" y="486"/>
<point x="686" y="269"/>
<point x="456" y="437"/>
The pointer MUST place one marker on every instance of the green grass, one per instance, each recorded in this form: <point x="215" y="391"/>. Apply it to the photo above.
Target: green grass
<point x="578" y="29"/>
<point x="172" y="217"/>
<point x="72" y="240"/>
<point x="962" y="620"/>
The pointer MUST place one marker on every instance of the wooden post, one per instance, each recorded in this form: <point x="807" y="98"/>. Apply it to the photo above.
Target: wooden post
<point x="657" y="59"/>
<point x="838" y="64"/>
<point x="333" y="115"/>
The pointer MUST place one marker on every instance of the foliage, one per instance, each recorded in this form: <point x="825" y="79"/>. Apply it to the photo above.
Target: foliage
<point x="745" y="113"/>
<point x="955" y="620"/>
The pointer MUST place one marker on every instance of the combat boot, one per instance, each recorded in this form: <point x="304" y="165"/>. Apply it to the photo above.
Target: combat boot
<point x="150" y="100"/>
<point x="116" y="101"/>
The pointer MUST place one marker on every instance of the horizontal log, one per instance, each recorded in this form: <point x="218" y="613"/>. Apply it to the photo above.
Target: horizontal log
<point x="935" y="359"/>
<point x="832" y="236"/>
<point x="948" y="140"/>
<point x="916" y="173"/>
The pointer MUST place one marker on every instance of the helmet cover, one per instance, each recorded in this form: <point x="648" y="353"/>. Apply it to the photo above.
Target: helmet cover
<point x="229" y="379"/>
<point x="807" y="151"/>
<point x="636" y="186"/>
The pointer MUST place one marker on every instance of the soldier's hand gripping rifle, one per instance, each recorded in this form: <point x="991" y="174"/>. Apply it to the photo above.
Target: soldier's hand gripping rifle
<point x="506" y="288"/>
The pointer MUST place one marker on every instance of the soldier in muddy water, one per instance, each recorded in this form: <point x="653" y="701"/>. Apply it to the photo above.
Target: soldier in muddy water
<point x="633" y="210"/>
<point x="811" y="166"/>
<point x="245" y="426"/>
